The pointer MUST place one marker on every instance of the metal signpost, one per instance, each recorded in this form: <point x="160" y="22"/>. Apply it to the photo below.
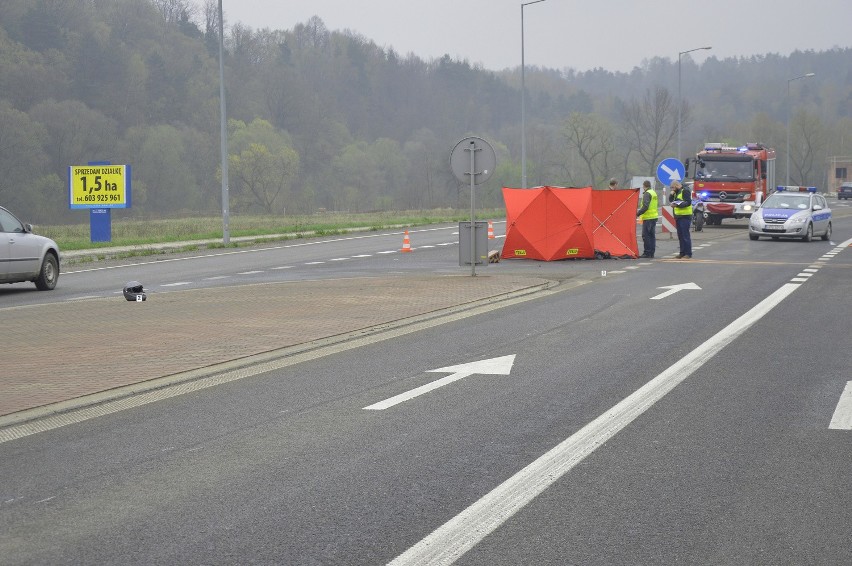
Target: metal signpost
<point x="473" y="159"/>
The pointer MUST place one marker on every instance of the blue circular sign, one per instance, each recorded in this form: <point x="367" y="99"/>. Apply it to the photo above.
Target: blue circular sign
<point x="670" y="169"/>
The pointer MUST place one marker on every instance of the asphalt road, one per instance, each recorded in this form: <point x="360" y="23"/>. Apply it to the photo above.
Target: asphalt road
<point x="720" y="451"/>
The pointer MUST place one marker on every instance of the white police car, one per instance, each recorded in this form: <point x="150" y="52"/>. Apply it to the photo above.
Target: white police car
<point x="792" y="212"/>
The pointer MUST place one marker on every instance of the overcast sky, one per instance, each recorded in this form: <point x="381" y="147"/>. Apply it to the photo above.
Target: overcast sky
<point x="616" y="35"/>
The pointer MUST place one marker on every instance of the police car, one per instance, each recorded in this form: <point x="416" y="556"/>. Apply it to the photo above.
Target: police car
<point x="792" y="212"/>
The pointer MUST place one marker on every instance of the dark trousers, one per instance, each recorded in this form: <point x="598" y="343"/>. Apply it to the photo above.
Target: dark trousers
<point x="649" y="237"/>
<point x="682" y="223"/>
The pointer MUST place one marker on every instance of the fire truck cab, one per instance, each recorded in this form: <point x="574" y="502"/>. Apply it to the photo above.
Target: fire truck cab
<point x="732" y="181"/>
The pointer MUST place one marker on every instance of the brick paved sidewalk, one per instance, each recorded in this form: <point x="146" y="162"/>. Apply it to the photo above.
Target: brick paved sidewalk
<point x="58" y="352"/>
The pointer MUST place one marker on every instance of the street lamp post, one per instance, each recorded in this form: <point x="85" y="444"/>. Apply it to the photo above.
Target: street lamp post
<point x="226" y="232"/>
<point x="679" y="55"/>
<point x="523" y="102"/>
<point x="787" y="181"/>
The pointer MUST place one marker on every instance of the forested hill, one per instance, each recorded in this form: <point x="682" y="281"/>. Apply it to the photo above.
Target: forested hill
<point x="322" y="119"/>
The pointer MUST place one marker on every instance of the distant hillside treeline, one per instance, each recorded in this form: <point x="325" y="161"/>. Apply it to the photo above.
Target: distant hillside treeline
<point x="327" y="119"/>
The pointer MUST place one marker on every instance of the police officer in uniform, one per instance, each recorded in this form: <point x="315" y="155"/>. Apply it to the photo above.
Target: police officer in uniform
<point x="649" y="214"/>
<point x="681" y="200"/>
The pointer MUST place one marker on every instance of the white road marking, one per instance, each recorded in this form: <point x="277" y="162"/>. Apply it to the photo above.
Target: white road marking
<point x="283" y="267"/>
<point x="83" y="298"/>
<point x="339" y="259"/>
<point x="461" y="533"/>
<point x="423" y="247"/>
<point x="805" y="274"/>
<point x="256" y="250"/>
<point x="672" y="289"/>
<point x="315" y="263"/>
<point x="215" y="277"/>
<point x="178" y="284"/>
<point x="255" y="272"/>
<point x="494" y="366"/>
<point x="842" y="418"/>
<point x="363" y="255"/>
<point x="810" y="270"/>
<point x="387" y="252"/>
<point x="798" y="280"/>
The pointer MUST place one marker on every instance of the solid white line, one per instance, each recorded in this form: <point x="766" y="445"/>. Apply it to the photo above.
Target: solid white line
<point x="461" y="533"/>
<point x="842" y="418"/>
<point x="402" y="397"/>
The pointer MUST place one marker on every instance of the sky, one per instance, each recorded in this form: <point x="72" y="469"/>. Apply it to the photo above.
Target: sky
<point x="616" y="35"/>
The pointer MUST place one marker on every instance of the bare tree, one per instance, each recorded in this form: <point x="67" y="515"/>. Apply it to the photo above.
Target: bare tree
<point x="592" y="137"/>
<point x="650" y="125"/>
<point x="808" y="141"/>
<point x="210" y="17"/>
<point x="174" y="11"/>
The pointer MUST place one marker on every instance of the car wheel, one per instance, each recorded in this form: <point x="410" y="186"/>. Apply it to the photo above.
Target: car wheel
<point x="49" y="274"/>
<point x="827" y="234"/>
<point x="754" y="237"/>
<point x="809" y="233"/>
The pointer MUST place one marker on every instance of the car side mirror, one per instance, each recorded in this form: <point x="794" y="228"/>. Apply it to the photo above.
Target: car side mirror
<point x="28" y="228"/>
<point x="817" y="207"/>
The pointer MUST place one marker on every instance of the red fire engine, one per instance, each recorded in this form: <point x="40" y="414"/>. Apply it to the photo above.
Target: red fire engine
<point x="732" y="181"/>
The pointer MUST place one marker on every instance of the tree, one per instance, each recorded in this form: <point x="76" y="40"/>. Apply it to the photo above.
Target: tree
<point x="264" y="178"/>
<point x="263" y="166"/>
<point x="163" y="182"/>
<point x="650" y="125"/>
<point x="22" y="159"/>
<point x="807" y="143"/>
<point x="593" y="139"/>
<point x="76" y="134"/>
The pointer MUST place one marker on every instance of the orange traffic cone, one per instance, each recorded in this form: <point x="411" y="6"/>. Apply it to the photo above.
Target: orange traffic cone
<point x="406" y="243"/>
<point x="490" y="230"/>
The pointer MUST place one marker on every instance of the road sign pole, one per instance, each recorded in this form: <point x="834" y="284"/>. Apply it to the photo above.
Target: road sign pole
<point x="472" y="225"/>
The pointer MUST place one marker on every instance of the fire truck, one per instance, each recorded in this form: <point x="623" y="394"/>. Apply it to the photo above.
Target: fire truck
<point x="732" y="181"/>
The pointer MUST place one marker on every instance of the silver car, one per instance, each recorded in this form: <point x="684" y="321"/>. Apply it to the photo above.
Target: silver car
<point x="792" y="212"/>
<point x="25" y="256"/>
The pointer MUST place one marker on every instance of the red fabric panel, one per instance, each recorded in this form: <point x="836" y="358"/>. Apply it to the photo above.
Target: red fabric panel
<point x="548" y="223"/>
<point x="615" y="221"/>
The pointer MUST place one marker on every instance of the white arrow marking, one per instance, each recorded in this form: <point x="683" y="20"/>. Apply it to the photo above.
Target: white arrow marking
<point x="842" y="418"/>
<point x="674" y="174"/>
<point x="494" y="366"/>
<point x="672" y="289"/>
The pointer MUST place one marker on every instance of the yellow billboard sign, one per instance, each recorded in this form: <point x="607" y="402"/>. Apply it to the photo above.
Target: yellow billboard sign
<point x="99" y="186"/>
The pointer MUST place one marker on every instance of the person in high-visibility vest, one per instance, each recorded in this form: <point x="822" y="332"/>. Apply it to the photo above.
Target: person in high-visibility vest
<point x="649" y="214"/>
<point x="681" y="200"/>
